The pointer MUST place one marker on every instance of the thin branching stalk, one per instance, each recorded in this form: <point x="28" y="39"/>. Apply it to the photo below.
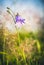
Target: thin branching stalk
<point x="13" y="16"/>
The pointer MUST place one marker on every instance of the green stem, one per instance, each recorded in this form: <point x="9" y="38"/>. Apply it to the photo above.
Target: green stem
<point x="18" y="36"/>
<point x="7" y="59"/>
<point x="3" y="49"/>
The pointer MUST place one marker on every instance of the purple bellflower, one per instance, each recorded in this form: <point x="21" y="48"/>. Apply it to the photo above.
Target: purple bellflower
<point x="18" y="18"/>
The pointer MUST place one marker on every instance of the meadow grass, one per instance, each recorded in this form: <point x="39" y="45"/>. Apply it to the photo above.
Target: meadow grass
<point x="21" y="48"/>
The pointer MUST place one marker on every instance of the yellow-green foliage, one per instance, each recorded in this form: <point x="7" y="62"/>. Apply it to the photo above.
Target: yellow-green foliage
<point x="19" y="48"/>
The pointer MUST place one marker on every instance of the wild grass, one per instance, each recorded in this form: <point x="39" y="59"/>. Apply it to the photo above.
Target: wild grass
<point x="21" y="48"/>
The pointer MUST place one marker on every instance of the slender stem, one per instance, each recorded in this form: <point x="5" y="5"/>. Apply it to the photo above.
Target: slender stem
<point x="11" y="11"/>
<point x="12" y="14"/>
<point x="4" y="51"/>
<point x="7" y="59"/>
<point x="14" y="22"/>
<point x="18" y="35"/>
<point x="3" y="48"/>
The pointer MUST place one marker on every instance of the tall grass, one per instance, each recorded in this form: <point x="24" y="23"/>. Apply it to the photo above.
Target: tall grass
<point x="20" y="48"/>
